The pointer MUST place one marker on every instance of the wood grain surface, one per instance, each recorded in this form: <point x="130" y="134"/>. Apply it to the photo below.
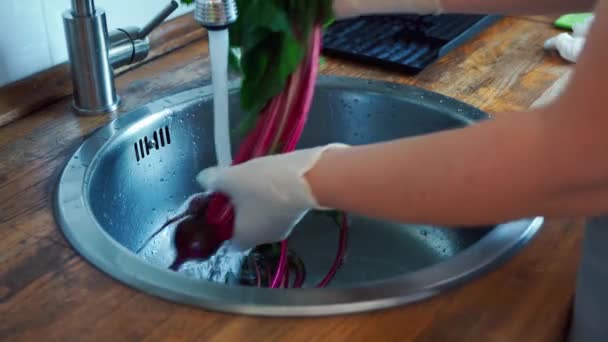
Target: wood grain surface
<point x="49" y="293"/>
<point x="47" y="87"/>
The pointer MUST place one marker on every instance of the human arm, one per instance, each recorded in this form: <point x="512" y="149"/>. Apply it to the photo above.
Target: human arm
<point x="517" y="7"/>
<point x="550" y="161"/>
<point x="349" y="8"/>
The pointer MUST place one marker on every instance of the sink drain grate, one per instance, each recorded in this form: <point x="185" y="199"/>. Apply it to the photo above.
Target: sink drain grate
<point x="159" y="139"/>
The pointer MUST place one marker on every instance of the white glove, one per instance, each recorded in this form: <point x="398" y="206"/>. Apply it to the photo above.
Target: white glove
<point x="569" y="46"/>
<point x="354" y="8"/>
<point x="269" y="194"/>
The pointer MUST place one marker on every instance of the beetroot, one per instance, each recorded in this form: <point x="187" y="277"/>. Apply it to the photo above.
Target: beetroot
<point x="280" y="43"/>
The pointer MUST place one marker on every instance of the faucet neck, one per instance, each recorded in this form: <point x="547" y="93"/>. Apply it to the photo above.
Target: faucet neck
<point x="94" y="53"/>
<point x="83" y="8"/>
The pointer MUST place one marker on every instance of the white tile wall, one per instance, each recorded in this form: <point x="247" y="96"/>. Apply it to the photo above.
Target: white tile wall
<point x="24" y="48"/>
<point x="31" y="32"/>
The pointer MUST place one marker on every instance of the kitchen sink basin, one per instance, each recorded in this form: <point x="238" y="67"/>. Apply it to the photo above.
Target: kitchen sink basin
<point x="129" y="176"/>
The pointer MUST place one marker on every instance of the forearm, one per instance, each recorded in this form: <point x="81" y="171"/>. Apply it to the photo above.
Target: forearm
<point x="551" y="161"/>
<point x="517" y="7"/>
<point x="366" y="7"/>
<point x="472" y="176"/>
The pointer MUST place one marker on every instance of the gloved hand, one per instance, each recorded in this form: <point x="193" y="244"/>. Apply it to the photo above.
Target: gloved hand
<point x="270" y="194"/>
<point x="569" y="46"/>
<point x="354" y="8"/>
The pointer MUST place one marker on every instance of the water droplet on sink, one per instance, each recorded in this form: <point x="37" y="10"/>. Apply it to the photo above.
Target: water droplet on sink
<point x="75" y="157"/>
<point x="162" y="180"/>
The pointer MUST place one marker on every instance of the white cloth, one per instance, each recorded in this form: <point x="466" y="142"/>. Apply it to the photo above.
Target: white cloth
<point x="270" y="194"/>
<point x="570" y="45"/>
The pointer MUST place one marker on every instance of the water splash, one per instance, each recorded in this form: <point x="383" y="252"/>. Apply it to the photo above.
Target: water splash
<point x="218" y="268"/>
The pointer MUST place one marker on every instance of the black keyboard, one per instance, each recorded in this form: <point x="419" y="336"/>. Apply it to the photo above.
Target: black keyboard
<point x="408" y="43"/>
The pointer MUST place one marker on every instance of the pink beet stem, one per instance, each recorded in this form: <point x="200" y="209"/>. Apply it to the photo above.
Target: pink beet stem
<point x="306" y="91"/>
<point x="300" y="109"/>
<point x="286" y="278"/>
<point x="269" y="126"/>
<point x="339" y="255"/>
<point x="258" y="274"/>
<point x="291" y="91"/>
<point x="278" y="277"/>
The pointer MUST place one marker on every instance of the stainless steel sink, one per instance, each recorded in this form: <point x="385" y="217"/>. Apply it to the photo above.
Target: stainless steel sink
<point x="131" y="175"/>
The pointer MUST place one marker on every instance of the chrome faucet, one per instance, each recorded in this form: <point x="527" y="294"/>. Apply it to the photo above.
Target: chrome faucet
<point x="215" y="14"/>
<point x="94" y="53"/>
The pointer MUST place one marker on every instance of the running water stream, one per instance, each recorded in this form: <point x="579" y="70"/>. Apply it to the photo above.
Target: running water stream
<point x="163" y="248"/>
<point x="218" y="49"/>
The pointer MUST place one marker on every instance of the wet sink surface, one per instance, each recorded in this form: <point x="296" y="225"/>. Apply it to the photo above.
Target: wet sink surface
<point x="130" y="176"/>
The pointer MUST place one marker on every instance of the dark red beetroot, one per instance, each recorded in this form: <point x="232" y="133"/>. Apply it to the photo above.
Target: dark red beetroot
<point x="194" y="237"/>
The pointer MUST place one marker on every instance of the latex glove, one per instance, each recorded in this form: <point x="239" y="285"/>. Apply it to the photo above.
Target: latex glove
<point x="569" y="46"/>
<point x="354" y="8"/>
<point x="270" y="194"/>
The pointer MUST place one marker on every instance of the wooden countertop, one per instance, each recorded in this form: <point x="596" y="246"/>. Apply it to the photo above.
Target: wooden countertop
<point x="49" y="293"/>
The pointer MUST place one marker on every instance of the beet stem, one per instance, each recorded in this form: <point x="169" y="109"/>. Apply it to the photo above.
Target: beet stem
<point x="258" y="274"/>
<point x="281" y="266"/>
<point x="340" y="254"/>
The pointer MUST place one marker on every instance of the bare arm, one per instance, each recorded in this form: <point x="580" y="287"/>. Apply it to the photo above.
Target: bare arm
<point x="517" y="7"/>
<point x="551" y="161"/>
<point x="346" y="8"/>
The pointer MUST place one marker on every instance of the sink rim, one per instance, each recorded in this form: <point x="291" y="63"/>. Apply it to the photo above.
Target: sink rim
<point x="99" y="249"/>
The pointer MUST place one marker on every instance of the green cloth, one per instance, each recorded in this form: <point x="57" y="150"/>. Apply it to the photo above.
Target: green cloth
<point x="566" y="21"/>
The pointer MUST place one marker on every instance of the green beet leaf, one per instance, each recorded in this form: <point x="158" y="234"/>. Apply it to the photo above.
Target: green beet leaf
<point x="268" y="42"/>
